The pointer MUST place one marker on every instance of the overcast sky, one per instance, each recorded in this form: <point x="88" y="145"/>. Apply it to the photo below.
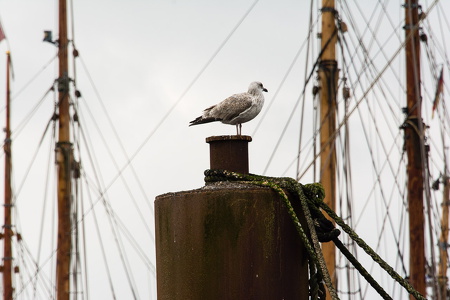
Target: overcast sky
<point x="154" y="66"/>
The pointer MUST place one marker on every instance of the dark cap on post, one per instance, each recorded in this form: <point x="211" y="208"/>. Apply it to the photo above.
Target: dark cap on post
<point x="229" y="152"/>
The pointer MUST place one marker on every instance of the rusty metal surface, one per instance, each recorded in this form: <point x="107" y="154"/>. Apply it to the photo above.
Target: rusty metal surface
<point x="227" y="243"/>
<point x="229" y="152"/>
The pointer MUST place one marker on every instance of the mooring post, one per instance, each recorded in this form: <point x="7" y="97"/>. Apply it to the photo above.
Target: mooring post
<point x="229" y="152"/>
<point x="228" y="240"/>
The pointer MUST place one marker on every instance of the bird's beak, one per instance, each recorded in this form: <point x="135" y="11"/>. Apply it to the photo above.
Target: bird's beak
<point x="265" y="90"/>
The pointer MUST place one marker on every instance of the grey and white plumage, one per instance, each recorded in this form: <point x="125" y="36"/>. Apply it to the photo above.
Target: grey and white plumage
<point x="236" y="109"/>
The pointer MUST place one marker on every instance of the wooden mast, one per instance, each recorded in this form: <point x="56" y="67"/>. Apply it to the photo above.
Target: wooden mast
<point x="7" y="226"/>
<point x="328" y="74"/>
<point x="64" y="158"/>
<point x="414" y="135"/>
<point x="443" y="243"/>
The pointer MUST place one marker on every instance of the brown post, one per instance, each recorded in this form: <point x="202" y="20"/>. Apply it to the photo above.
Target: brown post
<point x="7" y="226"/>
<point x="414" y="135"/>
<point x="228" y="241"/>
<point x="229" y="152"/>
<point x="328" y="73"/>
<point x="64" y="158"/>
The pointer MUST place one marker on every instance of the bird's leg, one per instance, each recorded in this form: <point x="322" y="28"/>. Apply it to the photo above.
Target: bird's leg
<point x="238" y="129"/>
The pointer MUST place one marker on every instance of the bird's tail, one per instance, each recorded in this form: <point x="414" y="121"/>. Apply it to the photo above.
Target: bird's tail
<point x="202" y="120"/>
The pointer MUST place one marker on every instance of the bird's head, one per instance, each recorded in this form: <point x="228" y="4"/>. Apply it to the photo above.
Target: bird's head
<point x="256" y="86"/>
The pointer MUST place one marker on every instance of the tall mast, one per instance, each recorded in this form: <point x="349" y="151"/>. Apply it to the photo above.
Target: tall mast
<point x="7" y="226"/>
<point x="64" y="158"/>
<point x="443" y="243"/>
<point x="414" y="135"/>
<point x="328" y="74"/>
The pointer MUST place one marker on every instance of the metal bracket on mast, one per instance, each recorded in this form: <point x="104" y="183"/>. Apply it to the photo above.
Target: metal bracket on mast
<point x="329" y="9"/>
<point x="63" y="83"/>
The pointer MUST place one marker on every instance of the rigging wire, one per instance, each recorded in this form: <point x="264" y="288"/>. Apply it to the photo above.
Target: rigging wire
<point x="29" y="82"/>
<point x="110" y="212"/>
<point x="111" y="124"/>
<point x="28" y="117"/>
<point x="371" y="152"/>
<point x="308" y="38"/>
<point x="116" y="165"/>
<point x="33" y="160"/>
<point x="111" y="220"/>
<point x="45" y="196"/>
<point x="371" y="86"/>
<point x="290" y="68"/>
<point x="102" y="246"/>
<point x="369" y="61"/>
<point x="191" y="84"/>
<point x="297" y="103"/>
<point x="150" y="135"/>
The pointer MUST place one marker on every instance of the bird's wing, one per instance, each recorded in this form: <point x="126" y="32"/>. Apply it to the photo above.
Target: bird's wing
<point x="231" y="107"/>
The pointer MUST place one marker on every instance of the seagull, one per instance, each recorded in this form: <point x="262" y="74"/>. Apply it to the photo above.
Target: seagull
<point x="236" y="109"/>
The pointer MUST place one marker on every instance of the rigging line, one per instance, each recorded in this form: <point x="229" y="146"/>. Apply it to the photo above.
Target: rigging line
<point x="75" y="236"/>
<point x="33" y="160"/>
<point x="27" y="118"/>
<point x="379" y="135"/>
<point x="83" y="228"/>
<point x="371" y="67"/>
<point x="37" y="272"/>
<point x="442" y="31"/>
<point x="111" y="212"/>
<point x="102" y="246"/>
<point x="360" y="41"/>
<point x="304" y="100"/>
<point x="395" y="175"/>
<point x="172" y="108"/>
<point x="131" y="158"/>
<point x="79" y="189"/>
<point x="149" y="136"/>
<point x="377" y="26"/>
<point x="125" y="183"/>
<point x="13" y="97"/>
<point x="119" y="244"/>
<point x="369" y="61"/>
<point x="151" y="267"/>
<point x="47" y="180"/>
<point x="26" y="253"/>
<point x="305" y="42"/>
<point x="121" y="226"/>
<point x="112" y="221"/>
<point x="298" y="101"/>
<point x="376" y="79"/>
<point x="150" y="206"/>
<point x="310" y="145"/>
<point x="72" y="19"/>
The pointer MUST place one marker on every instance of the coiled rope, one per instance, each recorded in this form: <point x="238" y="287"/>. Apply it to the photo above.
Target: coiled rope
<point x="320" y="229"/>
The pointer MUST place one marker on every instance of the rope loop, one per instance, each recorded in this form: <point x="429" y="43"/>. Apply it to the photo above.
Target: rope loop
<point x="320" y="228"/>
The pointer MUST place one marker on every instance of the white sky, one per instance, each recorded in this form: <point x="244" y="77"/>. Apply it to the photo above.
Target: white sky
<point x="145" y="56"/>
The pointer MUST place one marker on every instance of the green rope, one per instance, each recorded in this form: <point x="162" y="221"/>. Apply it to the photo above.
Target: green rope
<point x="311" y="198"/>
<point x="354" y="236"/>
<point x="361" y="269"/>
<point x="278" y="186"/>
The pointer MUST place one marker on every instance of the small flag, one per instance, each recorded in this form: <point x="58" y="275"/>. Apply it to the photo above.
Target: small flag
<point x="439" y="90"/>
<point x="48" y="36"/>
<point x="2" y="33"/>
